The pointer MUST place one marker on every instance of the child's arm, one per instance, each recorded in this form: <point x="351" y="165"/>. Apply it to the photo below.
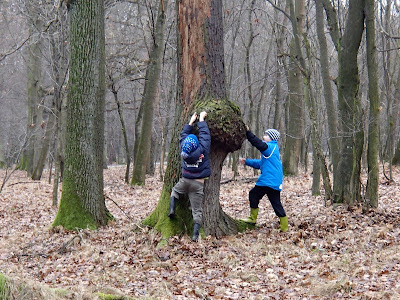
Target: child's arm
<point x="204" y="134"/>
<point x="254" y="163"/>
<point x="187" y="129"/>
<point x="256" y="142"/>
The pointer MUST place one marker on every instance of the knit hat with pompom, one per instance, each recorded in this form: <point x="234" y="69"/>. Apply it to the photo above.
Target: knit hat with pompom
<point x="189" y="144"/>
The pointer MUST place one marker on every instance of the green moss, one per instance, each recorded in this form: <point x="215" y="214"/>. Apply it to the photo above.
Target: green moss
<point x="71" y="215"/>
<point x="243" y="226"/>
<point x="112" y="297"/>
<point x="4" y="287"/>
<point x="224" y="121"/>
<point x="23" y="163"/>
<point x="160" y="221"/>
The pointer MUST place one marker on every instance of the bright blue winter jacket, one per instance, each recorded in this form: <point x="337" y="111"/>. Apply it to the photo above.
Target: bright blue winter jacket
<point x="270" y="163"/>
<point x="197" y="164"/>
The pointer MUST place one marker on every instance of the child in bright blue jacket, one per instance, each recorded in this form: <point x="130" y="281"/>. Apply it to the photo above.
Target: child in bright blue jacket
<point x="270" y="180"/>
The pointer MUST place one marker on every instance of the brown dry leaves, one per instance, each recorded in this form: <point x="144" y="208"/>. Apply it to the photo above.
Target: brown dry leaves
<point x="328" y="253"/>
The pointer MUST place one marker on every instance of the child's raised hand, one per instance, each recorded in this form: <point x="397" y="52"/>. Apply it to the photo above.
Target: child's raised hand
<point x="193" y="118"/>
<point x="242" y="161"/>
<point x="203" y="114"/>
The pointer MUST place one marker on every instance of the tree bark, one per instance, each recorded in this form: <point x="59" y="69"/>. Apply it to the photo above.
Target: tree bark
<point x="295" y="128"/>
<point x="201" y="86"/>
<point x="34" y="71"/>
<point x="349" y="109"/>
<point x="334" y="141"/>
<point x="82" y="202"/>
<point x="149" y="96"/>
<point x="373" y="95"/>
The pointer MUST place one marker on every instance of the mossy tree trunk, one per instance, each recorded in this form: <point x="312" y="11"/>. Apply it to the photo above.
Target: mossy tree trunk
<point x="82" y="202"/>
<point x="201" y="86"/>
<point x="142" y="156"/>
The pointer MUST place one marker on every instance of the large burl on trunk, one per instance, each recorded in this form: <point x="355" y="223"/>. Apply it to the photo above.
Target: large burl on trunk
<point x="227" y="135"/>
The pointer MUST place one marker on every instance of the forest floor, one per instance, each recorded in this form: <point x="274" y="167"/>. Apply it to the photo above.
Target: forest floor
<point x="328" y="253"/>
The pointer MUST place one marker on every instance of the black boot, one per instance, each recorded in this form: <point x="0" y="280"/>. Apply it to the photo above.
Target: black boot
<point x="172" y="205"/>
<point x="196" y="229"/>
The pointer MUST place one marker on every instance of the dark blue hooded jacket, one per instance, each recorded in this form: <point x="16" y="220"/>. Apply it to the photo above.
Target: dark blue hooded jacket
<point x="197" y="164"/>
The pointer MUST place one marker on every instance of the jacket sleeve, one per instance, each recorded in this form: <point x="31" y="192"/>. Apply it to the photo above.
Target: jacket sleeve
<point x="254" y="163"/>
<point x="187" y="129"/>
<point x="256" y="142"/>
<point x="204" y="137"/>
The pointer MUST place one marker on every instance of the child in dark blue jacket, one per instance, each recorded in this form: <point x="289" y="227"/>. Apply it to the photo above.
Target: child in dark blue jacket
<point x="270" y="180"/>
<point x="195" y="168"/>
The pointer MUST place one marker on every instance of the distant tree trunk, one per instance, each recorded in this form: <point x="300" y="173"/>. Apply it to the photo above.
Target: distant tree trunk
<point x="334" y="141"/>
<point x="295" y="129"/>
<point x="279" y="117"/>
<point x="201" y="84"/>
<point x="396" y="116"/>
<point x="251" y="99"/>
<point x="82" y="202"/>
<point x="46" y="139"/>
<point x="123" y="129"/>
<point x="396" y="157"/>
<point x="388" y="127"/>
<point x="2" y="156"/>
<point x="149" y="97"/>
<point x="348" y="85"/>
<point x="373" y="95"/>
<point x="34" y="72"/>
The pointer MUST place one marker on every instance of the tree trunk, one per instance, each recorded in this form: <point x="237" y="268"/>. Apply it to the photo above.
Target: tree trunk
<point x="82" y="202"/>
<point x="124" y="134"/>
<point x="334" y="141"/>
<point x="2" y="155"/>
<point x="279" y="117"/>
<point x="348" y="84"/>
<point x="149" y="96"/>
<point x="396" y="116"/>
<point x="33" y="89"/>
<point x="373" y="93"/>
<point x="201" y="86"/>
<point x="295" y="129"/>
<point x="46" y="139"/>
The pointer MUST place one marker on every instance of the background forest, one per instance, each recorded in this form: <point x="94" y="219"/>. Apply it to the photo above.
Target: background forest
<point x="324" y="73"/>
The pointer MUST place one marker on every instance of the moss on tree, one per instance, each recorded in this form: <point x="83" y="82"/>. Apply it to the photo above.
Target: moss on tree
<point x="224" y="121"/>
<point x="71" y="215"/>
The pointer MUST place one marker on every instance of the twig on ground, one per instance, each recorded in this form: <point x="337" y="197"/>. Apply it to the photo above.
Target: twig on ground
<point x="129" y="217"/>
<point x="64" y="247"/>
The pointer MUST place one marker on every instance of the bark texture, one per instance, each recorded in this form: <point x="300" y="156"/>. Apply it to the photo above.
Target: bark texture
<point x="149" y="97"/>
<point x="201" y="84"/>
<point x="348" y="85"/>
<point x="82" y="202"/>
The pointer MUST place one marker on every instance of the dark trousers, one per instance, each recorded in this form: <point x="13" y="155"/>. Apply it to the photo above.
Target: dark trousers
<point x="274" y="196"/>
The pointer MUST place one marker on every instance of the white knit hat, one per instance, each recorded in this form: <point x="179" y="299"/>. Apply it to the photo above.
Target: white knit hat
<point x="273" y="134"/>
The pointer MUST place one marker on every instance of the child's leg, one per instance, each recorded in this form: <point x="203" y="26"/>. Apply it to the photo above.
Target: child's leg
<point x="196" y="196"/>
<point x="255" y="195"/>
<point x="179" y="188"/>
<point x="274" y="197"/>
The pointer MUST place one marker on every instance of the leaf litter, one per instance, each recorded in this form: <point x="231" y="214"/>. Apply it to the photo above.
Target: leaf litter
<point x="328" y="253"/>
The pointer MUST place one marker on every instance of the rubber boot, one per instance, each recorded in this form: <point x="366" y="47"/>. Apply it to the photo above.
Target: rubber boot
<point x="196" y="229"/>
<point x="253" y="216"/>
<point x="172" y="205"/>
<point x="284" y="224"/>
